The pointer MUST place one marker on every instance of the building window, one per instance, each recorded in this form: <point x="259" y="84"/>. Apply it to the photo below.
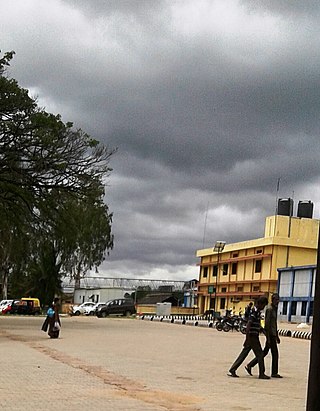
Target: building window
<point x="256" y="288"/>
<point x="205" y="272"/>
<point x="215" y="271"/>
<point x="222" y="303"/>
<point x="284" y="307"/>
<point x="225" y="269"/>
<point x="311" y="308"/>
<point x="240" y="289"/>
<point x="224" y="289"/>
<point x="258" y="266"/>
<point x="293" y="307"/>
<point x="259" y="251"/>
<point x="235" y="255"/>
<point x="304" y="308"/>
<point x="234" y="268"/>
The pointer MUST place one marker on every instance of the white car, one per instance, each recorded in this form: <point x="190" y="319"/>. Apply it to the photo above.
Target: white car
<point x="4" y="304"/>
<point x="93" y="310"/>
<point x="82" y="308"/>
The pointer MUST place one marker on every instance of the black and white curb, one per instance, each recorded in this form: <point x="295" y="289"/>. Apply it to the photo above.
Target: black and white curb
<point x="305" y="335"/>
<point x="192" y="322"/>
<point x="205" y="323"/>
<point x="284" y="333"/>
<point x="198" y="321"/>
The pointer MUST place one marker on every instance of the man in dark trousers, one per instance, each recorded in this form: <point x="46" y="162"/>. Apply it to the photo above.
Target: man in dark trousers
<point x="271" y="331"/>
<point x="252" y="341"/>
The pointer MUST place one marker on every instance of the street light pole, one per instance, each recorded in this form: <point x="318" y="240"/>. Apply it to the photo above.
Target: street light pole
<point x="218" y="248"/>
<point x="216" y="285"/>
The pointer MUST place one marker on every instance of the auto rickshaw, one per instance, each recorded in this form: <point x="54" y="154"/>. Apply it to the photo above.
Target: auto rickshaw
<point x="27" y="306"/>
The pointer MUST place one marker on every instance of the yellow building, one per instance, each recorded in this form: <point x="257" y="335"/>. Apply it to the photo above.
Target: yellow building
<point x="246" y="270"/>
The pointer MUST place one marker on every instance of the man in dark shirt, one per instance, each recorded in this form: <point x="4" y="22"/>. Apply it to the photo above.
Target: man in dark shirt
<point x="271" y="331"/>
<point x="248" y="310"/>
<point x="252" y="341"/>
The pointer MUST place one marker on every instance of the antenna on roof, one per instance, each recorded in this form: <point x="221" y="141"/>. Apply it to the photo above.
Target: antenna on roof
<point x="277" y="194"/>
<point x="205" y="226"/>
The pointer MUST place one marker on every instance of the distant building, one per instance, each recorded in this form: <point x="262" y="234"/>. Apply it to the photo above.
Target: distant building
<point x="160" y="297"/>
<point x="102" y="289"/>
<point x="190" y="290"/>
<point x="96" y="295"/>
<point x="246" y="270"/>
<point x="296" y="287"/>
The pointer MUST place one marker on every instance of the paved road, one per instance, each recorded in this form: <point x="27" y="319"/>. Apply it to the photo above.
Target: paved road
<point x="127" y="364"/>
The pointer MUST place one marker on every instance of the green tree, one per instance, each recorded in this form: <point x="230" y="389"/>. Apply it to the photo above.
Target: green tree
<point x="39" y="153"/>
<point x="88" y="237"/>
<point x="14" y="243"/>
<point x="40" y="275"/>
<point x="47" y="167"/>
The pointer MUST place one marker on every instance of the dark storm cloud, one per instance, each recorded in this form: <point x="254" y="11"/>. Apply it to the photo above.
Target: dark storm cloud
<point x="293" y="8"/>
<point x="135" y="8"/>
<point x="209" y="105"/>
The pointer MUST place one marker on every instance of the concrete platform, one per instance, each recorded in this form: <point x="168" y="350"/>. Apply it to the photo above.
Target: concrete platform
<point x="128" y="364"/>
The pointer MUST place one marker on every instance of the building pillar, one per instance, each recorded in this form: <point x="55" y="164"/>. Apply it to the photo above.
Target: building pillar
<point x="314" y="368"/>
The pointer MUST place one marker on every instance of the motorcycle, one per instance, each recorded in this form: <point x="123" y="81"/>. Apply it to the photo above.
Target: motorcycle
<point x="243" y="325"/>
<point x="231" y="323"/>
<point x="219" y="324"/>
<point x="227" y="323"/>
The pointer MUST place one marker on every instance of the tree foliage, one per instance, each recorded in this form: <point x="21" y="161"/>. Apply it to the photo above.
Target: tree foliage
<point x="51" y="192"/>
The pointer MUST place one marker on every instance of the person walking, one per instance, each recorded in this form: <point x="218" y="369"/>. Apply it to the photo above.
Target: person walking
<point x="52" y="320"/>
<point x="252" y="341"/>
<point x="248" y="310"/>
<point x="272" y="338"/>
<point x="50" y="313"/>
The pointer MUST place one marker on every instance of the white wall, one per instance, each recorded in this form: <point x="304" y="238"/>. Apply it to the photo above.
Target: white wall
<point x="302" y="283"/>
<point x="285" y="284"/>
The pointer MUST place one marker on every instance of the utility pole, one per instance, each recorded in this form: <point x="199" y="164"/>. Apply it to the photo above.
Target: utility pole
<point x="314" y="368"/>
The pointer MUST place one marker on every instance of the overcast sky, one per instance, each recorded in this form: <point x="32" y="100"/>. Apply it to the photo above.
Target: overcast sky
<point x="209" y="103"/>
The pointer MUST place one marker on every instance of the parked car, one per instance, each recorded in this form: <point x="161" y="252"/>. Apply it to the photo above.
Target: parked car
<point x="120" y="306"/>
<point x="7" y="308"/>
<point x="4" y="304"/>
<point x="82" y="308"/>
<point x="27" y="306"/>
<point x="93" y="310"/>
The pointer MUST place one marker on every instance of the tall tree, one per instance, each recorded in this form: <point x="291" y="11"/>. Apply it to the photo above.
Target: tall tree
<point x="77" y="241"/>
<point x="40" y="275"/>
<point x="43" y="164"/>
<point x="40" y="153"/>
<point x="88" y="237"/>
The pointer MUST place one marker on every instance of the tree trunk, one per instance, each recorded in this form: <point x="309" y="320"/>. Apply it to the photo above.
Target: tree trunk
<point x="4" y="290"/>
<point x="77" y="278"/>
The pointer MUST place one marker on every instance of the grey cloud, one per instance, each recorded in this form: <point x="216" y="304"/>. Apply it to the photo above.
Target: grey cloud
<point x="295" y="8"/>
<point x="206" y="118"/>
<point x="126" y="7"/>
